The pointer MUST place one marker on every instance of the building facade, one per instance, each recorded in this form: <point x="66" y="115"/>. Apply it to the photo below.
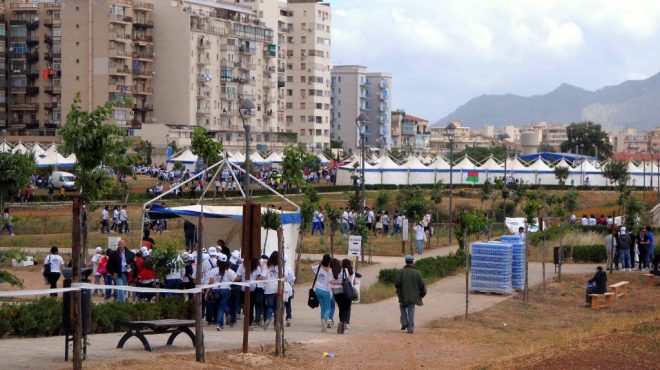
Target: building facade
<point x="356" y="91"/>
<point x="410" y="133"/>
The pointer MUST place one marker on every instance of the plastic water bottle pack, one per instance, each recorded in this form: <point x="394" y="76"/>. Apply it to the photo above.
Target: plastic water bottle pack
<point x="491" y="267"/>
<point x="518" y="261"/>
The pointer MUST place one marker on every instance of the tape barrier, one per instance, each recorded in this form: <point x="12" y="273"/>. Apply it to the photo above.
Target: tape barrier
<point x="79" y="286"/>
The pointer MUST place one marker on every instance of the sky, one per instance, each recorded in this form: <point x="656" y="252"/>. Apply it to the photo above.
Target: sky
<point x="442" y="53"/>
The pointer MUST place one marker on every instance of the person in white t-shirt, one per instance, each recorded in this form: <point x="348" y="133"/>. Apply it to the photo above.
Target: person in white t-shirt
<point x="94" y="263"/>
<point x="323" y="275"/>
<point x="345" y="227"/>
<point x="56" y="263"/>
<point x="269" y="273"/>
<point x="385" y="219"/>
<point x="289" y="282"/>
<point x="224" y="276"/>
<point x="105" y="223"/>
<point x="419" y="237"/>
<point x="256" y="292"/>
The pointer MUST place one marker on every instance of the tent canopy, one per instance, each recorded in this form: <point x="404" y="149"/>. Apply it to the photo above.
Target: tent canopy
<point x="553" y="157"/>
<point x="186" y="156"/>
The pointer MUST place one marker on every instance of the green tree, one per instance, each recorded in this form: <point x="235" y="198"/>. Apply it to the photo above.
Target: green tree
<point x="15" y="172"/>
<point x="336" y="144"/>
<point x="205" y="147"/>
<point x="470" y="222"/>
<point x="333" y="216"/>
<point x="292" y="165"/>
<point x="481" y="153"/>
<point x="95" y="142"/>
<point x="571" y="203"/>
<point x="164" y="259"/>
<point x="546" y="148"/>
<point x="561" y="174"/>
<point x="486" y="190"/>
<point x="144" y="150"/>
<point x="634" y="209"/>
<point x="270" y="220"/>
<point x="589" y="136"/>
<point x="355" y="201"/>
<point x="617" y="172"/>
<point x="382" y="199"/>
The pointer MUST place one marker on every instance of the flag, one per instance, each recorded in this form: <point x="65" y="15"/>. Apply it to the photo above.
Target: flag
<point x="473" y="176"/>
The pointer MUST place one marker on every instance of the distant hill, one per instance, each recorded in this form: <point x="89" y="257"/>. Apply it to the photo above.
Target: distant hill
<point x="634" y="103"/>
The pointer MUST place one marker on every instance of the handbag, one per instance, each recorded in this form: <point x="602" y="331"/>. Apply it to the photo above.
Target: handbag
<point x="46" y="268"/>
<point x="312" y="300"/>
<point x="349" y="291"/>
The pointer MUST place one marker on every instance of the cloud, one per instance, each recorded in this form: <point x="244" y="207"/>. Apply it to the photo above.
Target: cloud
<point x="442" y="53"/>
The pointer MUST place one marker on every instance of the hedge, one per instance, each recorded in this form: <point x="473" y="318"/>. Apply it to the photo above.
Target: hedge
<point x="586" y="253"/>
<point x="431" y="268"/>
<point x="43" y="317"/>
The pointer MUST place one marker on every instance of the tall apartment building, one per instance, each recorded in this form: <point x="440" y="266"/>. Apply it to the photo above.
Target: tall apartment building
<point x="3" y="67"/>
<point x="354" y="90"/>
<point x="32" y="63"/>
<point x="108" y="54"/>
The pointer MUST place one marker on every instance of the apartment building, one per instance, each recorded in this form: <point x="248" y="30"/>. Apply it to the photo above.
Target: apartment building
<point x="32" y="67"/>
<point x="410" y="132"/>
<point x="355" y="91"/>
<point x="3" y="67"/>
<point x="464" y="137"/>
<point x="548" y="134"/>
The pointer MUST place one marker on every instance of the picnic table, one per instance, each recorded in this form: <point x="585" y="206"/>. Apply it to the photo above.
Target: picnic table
<point x="140" y="329"/>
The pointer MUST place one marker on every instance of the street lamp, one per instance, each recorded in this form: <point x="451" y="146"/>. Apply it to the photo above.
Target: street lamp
<point x="582" y="164"/>
<point x="245" y="109"/>
<point x="503" y="137"/>
<point x="450" y="130"/>
<point x="361" y="121"/>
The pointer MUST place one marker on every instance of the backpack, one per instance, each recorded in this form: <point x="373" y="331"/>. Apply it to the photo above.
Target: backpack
<point x="101" y="267"/>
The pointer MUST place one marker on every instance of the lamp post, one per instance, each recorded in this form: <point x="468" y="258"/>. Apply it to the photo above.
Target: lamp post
<point x="361" y="121"/>
<point x="582" y="164"/>
<point x="245" y="109"/>
<point x="450" y="130"/>
<point x="502" y="137"/>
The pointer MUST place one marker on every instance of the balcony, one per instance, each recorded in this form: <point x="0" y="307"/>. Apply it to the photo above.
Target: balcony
<point x="203" y="111"/>
<point x="113" y="71"/>
<point x="32" y="42"/>
<point x="118" y="87"/>
<point x="281" y="83"/>
<point x="120" y="37"/>
<point x="32" y="91"/>
<point x="33" y="125"/>
<point x="32" y="74"/>
<point x="52" y="124"/>
<point x="246" y="66"/>
<point x="247" y="50"/>
<point x="143" y="55"/>
<point x="203" y="43"/>
<point x="143" y="23"/>
<point x="118" y="18"/>
<point x="143" y="90"/>
<point x="229" y="96"/>
<point x="143" y="38"/>
<point x="203" y="93"/>
<point x="49" y="56"/>
<point x="141" y="5"/>
<point x="143" y="73"/>
<point x="18" y="71"/>
<point x="24" y="106"/>
<point x="51" y="105"/>
<point x="48" y="40"/>
<point x="24" y="7"/>
<point x="143" y="108"/>
<point x="32" y="58"/>
<point x="242" y="97"/>
<point x="226" y="47"/>
<point x="203" y="60"/>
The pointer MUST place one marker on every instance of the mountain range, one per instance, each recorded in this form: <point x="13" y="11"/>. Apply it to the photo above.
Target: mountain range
<point x="633" y="103"/>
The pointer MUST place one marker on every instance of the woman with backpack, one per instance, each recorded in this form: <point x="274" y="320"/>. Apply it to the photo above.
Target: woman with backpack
<point x="221" y="294"/>
<point x="269" y="272"/>
<point x="53" y="265"/>
<point x="103" y="270"/>
<point x="95" y="264"/>
<point x="342" y="289"/>
<point x="322" y="288"/>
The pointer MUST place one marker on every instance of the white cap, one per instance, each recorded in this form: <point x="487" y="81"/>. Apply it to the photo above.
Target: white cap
<point x="236" y="254"/>
<point x="145" y="253"/>
<point x="99" y="250"/>
<point x="205" y="257"/>
<point x="213" y="251"/>
<point x="222" y="257"/>
<point x="144" y="249"/>
<point x="191" y="257"/>
<point x="185" y="255"/>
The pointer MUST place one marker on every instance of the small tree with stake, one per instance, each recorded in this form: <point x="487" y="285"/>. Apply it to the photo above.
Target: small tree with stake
<point x="95" y="142"/>
<point x="271" y="220"/>
<point x="334" y="215"/>
<point x="561" y="174"/>
<point x="437" y="195"/>
<point x="470" y="222"/>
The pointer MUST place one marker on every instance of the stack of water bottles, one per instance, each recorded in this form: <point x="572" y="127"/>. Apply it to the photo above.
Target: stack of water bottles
<point x="491" y="267"/>
<point x="518" y="260"/>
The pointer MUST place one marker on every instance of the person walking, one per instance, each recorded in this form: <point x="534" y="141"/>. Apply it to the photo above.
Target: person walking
<point x="96" y="272"/>
<point x="190" y="235"/>
<point x="650" y="256"/>
<point x="115" y="219"/>
<point x="342" y="271"/>
<point x="225" y="276"/>
<point x="118" y="266"/>
<point x="105" y="224"/>
<point x="410" y="289"/>
<point x="624" y="243"/>
<point x="269" y="272"/>
<point x="596" y="285"/>
<point x="6" y="223"/>
<point x="289" y="282"/>
<point x="322" y="288"/>
<point x="385" y="219"/>
<point x="53" y="264"/>
<point x="123" y="220"/>
<point x="345" y="226"/>
<point x="419" y="238"/>
<point x="316" y="221"/>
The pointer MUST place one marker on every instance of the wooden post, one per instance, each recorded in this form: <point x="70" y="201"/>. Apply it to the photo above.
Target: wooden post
<point x="76" y="317"/>
<point x="542" y="247"/>
<point x="199" y="328"/>
<point x="467" y="275"/>
<point x="279" y="318"/>
<point x="251" y="248"/>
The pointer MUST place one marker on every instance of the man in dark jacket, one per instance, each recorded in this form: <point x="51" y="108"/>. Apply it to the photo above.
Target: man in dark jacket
<point x="190" y="235"/>
<point x="410" y="289"/>
<point x="118" y="266"/>
<point x="596" y="285"/>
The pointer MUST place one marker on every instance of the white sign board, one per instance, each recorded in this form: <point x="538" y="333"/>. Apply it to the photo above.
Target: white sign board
<point x="354" y="245"/>
<point x="404" y="227"/>
<point x="513" y="223"/>
<point x="113" y="242"/>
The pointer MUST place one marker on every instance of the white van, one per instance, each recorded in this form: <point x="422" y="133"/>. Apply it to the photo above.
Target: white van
<point x="61" y="178"/>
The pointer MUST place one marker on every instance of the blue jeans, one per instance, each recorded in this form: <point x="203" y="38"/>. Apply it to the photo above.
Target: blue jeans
<point x="649" y="256"/>
<point x="107" y="279"/>
<point x="120" y="280"/>
<point x="624" y="256"/>
<point x="324" y="300"/>
<point x="269" y="303"/>
<point x="171" y="284"/>
<point x="234" y="302"/>
<point x="333" y="305"/>
<point x="420" y="247"/>
<point x="408" y="316"/>
<point x="222" y="307"/>
<point x="317" y="226"/>
<point x="397" y="230"/>
<point x="345" y="228"/>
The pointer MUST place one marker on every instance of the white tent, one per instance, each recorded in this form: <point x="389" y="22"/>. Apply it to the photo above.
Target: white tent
<point x="257" y="159"/>
<point x="19" y="148"/>
<point x="461" y="169"/>
<point x="226" y="223"/>
<point x="55" y="159"/>
<point x="562" y="163"/>
<point x="237" y="157"/>
<point x="5" y="147"/>
<point x="491" y="169"/>
<point x="274" y="158"/>
<point x="636" y="175"/>
<point x="187" y="158"/>
<point x="418" y="173"/>
<point x="322" y="159"/>
<point x="36" y="149"/>
<point x="543" y="174"/>
<point x="440" y="169"/>
<point x="52" y="148"/>
<point x="584" y="173"/>
<point x="391" y="173"/>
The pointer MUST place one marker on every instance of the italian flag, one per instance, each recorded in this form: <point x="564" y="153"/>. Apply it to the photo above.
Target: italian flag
<point x="473" y="176"/>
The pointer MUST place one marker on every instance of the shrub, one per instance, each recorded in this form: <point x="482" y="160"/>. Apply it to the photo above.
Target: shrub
<point x="42" y="317"/>
<point x="586" y="253"/>
<point x="431" y="268"/>
<point x="387" y="276"/>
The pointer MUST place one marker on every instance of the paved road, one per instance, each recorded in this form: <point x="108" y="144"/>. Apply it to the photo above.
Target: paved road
<point x="445" y="299"/>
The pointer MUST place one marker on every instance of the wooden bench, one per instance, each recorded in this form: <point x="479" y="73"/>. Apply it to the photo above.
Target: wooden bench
<point x="139" y="329"/>
<point x="650" y="279"/>
<point x="596" y="300"/>
<point x="619" y="289"/>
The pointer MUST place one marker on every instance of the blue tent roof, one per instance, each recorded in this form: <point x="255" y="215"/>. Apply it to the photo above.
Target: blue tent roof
<point x="158" y="212"/>
<point x="553" y="157"/>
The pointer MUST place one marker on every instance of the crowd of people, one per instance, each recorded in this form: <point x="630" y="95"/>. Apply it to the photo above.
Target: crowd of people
<point x="627" y="249"/>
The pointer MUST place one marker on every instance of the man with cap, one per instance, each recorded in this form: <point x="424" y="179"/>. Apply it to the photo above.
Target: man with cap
<point x="624" y="244"/>
<point x="210" y="269"/>
<point x="410" y="289"/>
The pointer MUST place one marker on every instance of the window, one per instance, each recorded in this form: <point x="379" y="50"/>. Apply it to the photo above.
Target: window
<point x="303" y="39"/>
<point x="57" y="32"/>
<point x="18" y="48"/>
<point x="302" y="105"/>
<point x="18" y="31"/>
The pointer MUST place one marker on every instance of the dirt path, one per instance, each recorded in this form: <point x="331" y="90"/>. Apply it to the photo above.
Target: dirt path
<point x="445" y="299"/>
